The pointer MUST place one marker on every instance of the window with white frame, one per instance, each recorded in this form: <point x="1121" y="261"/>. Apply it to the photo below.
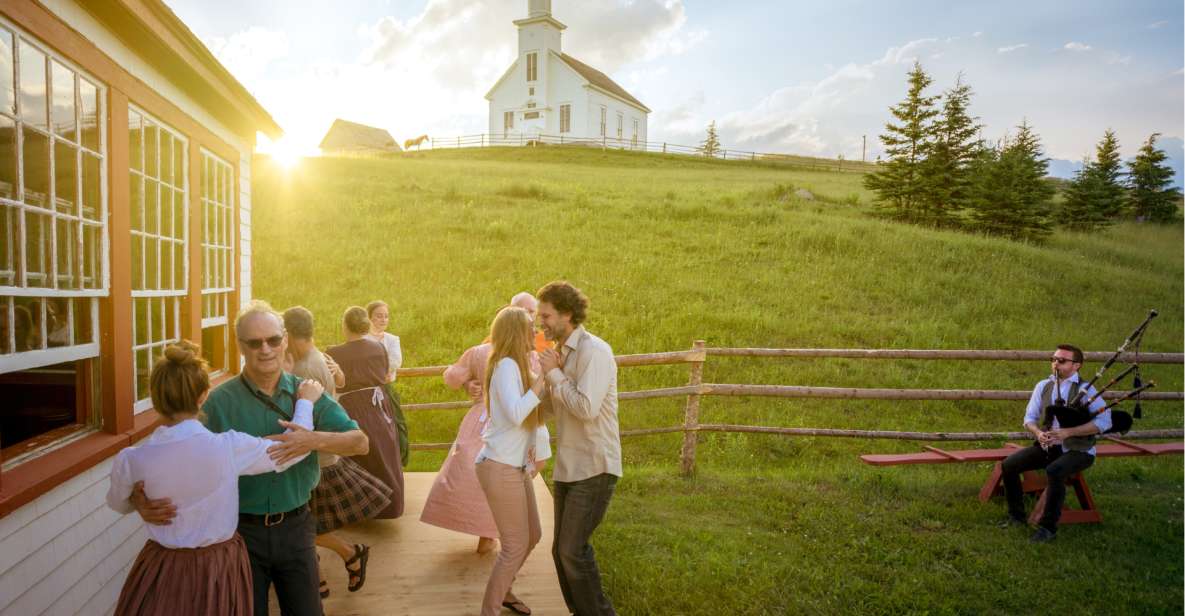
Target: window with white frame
<point x="634" y="139"/>
<point x="604" y="115"/>
<point x="157" y="178"/>
<point x="532" y="66"/>
<point x="565" y="118"/>
<point x="53" y="257"/>
<point x="217" y="259"/>
<point x="507" y="122"/>
<point x="620" y="122"/>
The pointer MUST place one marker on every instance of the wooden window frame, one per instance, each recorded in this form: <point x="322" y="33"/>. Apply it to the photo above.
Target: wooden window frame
<point x="532" y="66"/>
<point x="120" y="426"/>
<point x="566" y="117"/>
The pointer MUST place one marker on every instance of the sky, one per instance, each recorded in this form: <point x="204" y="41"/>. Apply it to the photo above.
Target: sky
<point x="811" y="78"/>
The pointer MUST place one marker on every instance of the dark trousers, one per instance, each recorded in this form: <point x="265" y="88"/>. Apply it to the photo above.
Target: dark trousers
<point x="579" y="507"/>
<point x="1058" y="467"/>
<point x="284" y="555"/>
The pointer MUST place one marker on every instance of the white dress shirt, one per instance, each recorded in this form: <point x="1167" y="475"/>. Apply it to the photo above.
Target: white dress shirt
<point x="1033" y="411"/>
<point x="506" y="439"/>
<point x="394" y="351"/>
<point x="199" y="471"/>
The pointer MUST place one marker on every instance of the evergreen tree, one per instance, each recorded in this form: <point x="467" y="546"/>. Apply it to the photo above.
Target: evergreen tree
<point x="1010" y="194"/>
<point x="1096" y="197"/>
<point x="899" y="182"/>
<point x="945" y="172"/>
<point x="710" y="146"/>
<point x="1152" y="195"/>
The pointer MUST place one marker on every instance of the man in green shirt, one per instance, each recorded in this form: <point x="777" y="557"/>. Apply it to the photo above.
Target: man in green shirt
<point x="274" y="518"/>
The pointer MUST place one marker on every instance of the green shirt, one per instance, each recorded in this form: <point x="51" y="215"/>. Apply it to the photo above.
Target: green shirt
<point x="233" y="406"/>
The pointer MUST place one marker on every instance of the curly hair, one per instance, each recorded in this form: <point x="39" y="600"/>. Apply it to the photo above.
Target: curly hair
<point x="566" y="299"/>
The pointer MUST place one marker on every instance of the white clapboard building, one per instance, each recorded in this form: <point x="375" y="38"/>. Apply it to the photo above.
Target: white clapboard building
<point x="125" y="200"/>
<point x="548" y="92"/>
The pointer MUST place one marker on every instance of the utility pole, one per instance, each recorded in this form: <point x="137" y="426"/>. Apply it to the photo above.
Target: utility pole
<point x="863" y="148"/>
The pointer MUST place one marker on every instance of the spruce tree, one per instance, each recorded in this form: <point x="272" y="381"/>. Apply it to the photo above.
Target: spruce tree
<point x="1080" y="205"/>
<point x="1108" y="168"/>
<point x="1152" y="195"/>
<point x="945" y="172"/>
<point x="710" y="146"/>
<point x="1011" y="196"/>
<point x="899" y="182"/>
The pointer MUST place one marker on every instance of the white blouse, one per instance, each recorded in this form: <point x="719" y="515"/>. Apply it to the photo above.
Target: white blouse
<point x="394" y="352"/>
<point x="199" y="471"/>
<point x="506" y="439"/>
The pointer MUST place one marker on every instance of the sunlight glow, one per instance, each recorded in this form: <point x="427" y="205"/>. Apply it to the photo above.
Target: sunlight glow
<point x="284" y="151"/>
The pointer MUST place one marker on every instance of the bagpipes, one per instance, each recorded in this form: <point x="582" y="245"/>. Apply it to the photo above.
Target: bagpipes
<point x="1077" y="411"/>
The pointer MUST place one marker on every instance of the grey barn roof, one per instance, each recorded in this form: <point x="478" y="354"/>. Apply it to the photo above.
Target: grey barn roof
<point x="601" y="80"/>
<point x="345" y="135"/>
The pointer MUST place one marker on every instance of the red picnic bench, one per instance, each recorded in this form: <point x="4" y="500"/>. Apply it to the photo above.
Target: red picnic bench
<point x="1032" y="482"/>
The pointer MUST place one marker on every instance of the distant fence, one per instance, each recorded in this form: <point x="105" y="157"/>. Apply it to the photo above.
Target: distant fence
<point x="655" y="147"/>
<point x="696" y="388"/>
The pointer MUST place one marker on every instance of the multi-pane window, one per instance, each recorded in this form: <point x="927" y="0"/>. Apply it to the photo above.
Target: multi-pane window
<point x="52" y="203"/>
<point x="532" y="66"/>
<point x="53" y="267"/>
<point x="158" y="185"/>
<point x="507" y="122"/>
<point x="604" y="115"/>
<point x="217" y="258"/>
<point x="620" y="122"/>
<point x="565" y="118"/>
<point x="634" y="139"/>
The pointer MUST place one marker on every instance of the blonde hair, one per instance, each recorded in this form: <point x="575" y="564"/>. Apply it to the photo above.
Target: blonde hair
<point x="356" y="321"/>
<point x="375" y="305"/>
<point x="178" y="380"/>
<point x="510" y="336"/>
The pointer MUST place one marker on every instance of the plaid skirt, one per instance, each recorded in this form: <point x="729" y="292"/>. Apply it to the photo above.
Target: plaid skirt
<point x="347" y="494"/>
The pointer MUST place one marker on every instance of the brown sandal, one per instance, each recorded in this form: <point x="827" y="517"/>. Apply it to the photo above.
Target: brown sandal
<point x="517" y="606"/>
<point x="358" y="578"/>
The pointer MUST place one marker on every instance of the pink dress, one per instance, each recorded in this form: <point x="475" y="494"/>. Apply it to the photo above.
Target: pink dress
<point x="456" y="501"/>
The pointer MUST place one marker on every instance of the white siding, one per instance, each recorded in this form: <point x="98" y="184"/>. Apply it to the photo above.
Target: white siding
<point x="67" y="551"/>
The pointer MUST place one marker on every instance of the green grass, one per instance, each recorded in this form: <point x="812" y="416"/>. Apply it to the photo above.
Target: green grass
<point x="673" y="249"/>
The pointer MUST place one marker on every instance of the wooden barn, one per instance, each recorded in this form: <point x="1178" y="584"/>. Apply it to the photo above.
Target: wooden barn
<point x="345" y="137"/>
<point x="125" y="164"/>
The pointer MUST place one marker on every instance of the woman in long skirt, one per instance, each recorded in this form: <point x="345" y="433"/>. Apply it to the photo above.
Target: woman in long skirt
<point x="379" y="314"/>
<point x="365" y="399"/>
<point x="197" y="564"/>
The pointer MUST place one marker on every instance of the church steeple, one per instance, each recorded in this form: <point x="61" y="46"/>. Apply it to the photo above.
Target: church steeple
<point x="540" y="31"/>
<point x="538" y="8"/>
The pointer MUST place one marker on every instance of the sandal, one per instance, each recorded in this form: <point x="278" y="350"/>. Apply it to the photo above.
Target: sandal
<point x="358" y="578"/>
<point x="517" y="606"/>
<point x="324" y="589"/>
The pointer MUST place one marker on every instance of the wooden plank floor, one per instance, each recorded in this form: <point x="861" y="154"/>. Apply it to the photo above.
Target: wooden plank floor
<point x="419" y="569"/>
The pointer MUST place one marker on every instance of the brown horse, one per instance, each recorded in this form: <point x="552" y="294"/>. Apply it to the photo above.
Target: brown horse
<point x="407" y="145"/>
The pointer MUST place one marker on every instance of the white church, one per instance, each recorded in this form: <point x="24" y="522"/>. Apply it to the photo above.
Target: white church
<point x="548" y="94"/>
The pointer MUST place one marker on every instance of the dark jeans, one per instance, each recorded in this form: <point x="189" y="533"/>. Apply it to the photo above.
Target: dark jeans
<point x="1058" y="467"/>
<point x="284" y="554"/>
<point x="579" y="507"/>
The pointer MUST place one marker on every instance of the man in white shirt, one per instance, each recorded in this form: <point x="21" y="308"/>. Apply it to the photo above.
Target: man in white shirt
<point x="1061" y="452"/>
<point x="582" y="379"/>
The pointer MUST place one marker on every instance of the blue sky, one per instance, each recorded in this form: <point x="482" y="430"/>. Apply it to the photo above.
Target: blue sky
<point x="803" y="77"/>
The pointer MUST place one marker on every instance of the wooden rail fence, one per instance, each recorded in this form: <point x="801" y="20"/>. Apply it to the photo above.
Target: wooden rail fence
<point x="695" y="389"/>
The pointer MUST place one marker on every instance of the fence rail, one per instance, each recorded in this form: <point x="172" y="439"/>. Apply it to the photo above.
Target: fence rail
<point x="696" y="389"/>
<point x="512" y="139"/>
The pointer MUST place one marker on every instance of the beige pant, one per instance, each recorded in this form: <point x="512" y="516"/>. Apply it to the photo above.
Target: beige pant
<point x="511" y="496"/>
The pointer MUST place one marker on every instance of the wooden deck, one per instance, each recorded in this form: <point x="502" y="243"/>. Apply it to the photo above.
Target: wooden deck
<point x="419" y="569"/>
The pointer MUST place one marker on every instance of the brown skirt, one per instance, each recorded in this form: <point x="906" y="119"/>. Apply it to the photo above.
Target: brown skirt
<point x="383" y="460"/>
<point x="347" y="494"/>
<point x="212" y="580"/>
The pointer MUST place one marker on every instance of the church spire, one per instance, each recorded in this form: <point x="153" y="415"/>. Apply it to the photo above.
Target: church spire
<point x="538" y="8"/>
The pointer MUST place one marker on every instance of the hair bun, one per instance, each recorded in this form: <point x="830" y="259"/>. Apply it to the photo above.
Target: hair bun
<point x="183" y="353"/>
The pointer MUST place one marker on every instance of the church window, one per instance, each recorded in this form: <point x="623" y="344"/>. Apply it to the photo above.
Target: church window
<point x="604" y="120"/>
<point x="507" y="122"/>
<point x="565" y="118"/>
<point x="217" y="191"/>
<point x="620" y="122"/>
<point x="635" y="138"/>
<point x="531" y="91"/>
<point x="532" y="66"/>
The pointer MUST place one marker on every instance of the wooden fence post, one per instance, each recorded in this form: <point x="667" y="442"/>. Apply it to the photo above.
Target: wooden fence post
<point x="664" y="147"/>
<point x="691" y="413"/>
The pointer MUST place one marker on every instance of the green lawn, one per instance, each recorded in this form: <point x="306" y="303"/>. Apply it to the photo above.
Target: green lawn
<point x="673" y="249"/>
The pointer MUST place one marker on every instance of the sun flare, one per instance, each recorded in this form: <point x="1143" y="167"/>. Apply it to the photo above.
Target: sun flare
<point x="284" y="152"/>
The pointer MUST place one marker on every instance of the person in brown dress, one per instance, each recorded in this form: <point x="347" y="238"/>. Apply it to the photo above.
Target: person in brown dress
<point x="364" y="397"/>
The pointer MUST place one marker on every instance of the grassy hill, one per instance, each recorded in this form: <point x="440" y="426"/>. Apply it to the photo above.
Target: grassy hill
<point x="673" y="249"/>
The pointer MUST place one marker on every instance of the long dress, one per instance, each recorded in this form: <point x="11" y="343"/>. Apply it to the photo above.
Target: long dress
<point x="456" y="501"/>
<point x="364" y="397"/>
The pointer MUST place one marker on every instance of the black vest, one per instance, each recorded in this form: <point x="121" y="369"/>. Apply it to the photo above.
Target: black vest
<point x="1074" y="443"/>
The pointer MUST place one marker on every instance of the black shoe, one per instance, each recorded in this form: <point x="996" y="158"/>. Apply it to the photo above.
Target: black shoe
<point x="1011" y="521"/>
<point x="1043" y="535"/>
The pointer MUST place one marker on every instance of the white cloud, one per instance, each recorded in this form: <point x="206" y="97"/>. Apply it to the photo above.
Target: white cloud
<point x="1012" y="48"/>
<point x="1157" y="24"/>
<point x="977" y="34"/>
<point x="1117" y="58"/>
<point x="1076" y="46"/>
<point x="247" y="54"/>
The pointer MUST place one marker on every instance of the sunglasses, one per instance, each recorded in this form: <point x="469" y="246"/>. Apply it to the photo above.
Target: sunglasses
<point x="257" y="343"/>
<point x="1061" y="360"/>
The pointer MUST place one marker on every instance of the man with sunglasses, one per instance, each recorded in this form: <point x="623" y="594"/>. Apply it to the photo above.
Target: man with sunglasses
<point x="1061" y="452"/>
<point x="274" y="518"/>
